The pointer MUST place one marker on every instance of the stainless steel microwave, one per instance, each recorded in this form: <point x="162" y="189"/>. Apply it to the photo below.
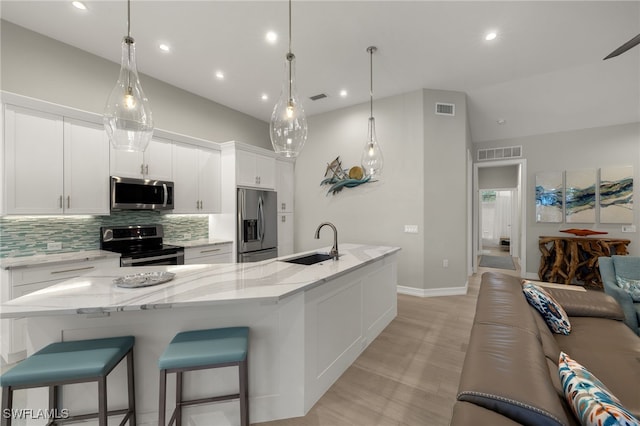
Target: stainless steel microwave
<point x="141" y="194"/>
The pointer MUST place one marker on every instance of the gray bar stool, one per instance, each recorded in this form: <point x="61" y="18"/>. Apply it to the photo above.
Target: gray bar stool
<point x="65" y="363"/>
<point x="205" y="349"/>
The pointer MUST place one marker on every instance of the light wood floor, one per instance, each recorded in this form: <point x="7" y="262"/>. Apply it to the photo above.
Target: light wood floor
<point x="409" y="375"/>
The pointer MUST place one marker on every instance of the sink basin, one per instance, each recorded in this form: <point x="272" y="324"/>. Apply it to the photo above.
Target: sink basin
<point x="309" y="259"/>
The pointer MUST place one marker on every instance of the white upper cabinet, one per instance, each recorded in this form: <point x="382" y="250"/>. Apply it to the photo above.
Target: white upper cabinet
<point x="54" y="165"/>
<point x="285" y="185"/>
<point x="255" y="170"/>
<point x="86" y="168"/>
<point x="33" y="162"/>
<point x="196" y="179"/>
<point x="155" y="163"/>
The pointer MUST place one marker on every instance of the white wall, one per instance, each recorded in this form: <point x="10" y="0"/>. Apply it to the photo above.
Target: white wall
<point x="40" y="67"/>
<point x="580" y="149"/>
<point x="373" y="213"/>
<point x="498" y="177"/>
<point x="423" y="183"/>
<point x="445" y="191"/>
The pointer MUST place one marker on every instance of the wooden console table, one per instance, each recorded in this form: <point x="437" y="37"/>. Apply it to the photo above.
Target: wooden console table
<point x="575" y="259"/>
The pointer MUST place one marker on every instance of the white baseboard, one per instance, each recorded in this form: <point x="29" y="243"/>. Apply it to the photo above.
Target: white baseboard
<point x="433" y="292"/>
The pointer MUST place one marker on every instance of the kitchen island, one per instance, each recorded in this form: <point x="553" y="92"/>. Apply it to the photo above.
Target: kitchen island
<point x="308" y="324"/>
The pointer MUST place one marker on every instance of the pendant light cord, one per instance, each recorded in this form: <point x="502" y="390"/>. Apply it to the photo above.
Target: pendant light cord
<point x="129" y="18"/>
<point x="371" y="49"/>
<point x="290" y="57"/>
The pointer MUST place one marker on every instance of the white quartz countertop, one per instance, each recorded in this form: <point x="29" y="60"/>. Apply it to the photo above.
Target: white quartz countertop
<point x="193" y="285"/>
<point x="199" y="243"/>
<point x="55" y="258"/>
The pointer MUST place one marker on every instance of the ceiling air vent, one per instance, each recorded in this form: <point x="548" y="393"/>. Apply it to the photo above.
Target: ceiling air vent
<point x="445" y="109"/>
<point x="318" y="97"/>
<point x="500" y="153"/>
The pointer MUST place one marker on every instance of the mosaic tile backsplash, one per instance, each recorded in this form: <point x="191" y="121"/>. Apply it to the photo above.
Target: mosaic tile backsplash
<point x="29" y="235"/>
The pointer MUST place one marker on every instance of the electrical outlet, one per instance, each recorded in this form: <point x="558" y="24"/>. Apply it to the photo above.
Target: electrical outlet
<point x="54" y="246"/>
<point x="411" y="229"/>
<point x="187" y="236"/>
<point x="628" y="228"/>
<point x="445" y="263"/>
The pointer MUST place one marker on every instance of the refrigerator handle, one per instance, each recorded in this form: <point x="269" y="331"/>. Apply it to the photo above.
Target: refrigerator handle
<point x="261" y="218"/>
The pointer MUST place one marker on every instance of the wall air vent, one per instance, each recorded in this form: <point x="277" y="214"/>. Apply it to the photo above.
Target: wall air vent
<point x="445" y="109"/>
<point x="500" y="153"/>
<point x="318" y="97"/>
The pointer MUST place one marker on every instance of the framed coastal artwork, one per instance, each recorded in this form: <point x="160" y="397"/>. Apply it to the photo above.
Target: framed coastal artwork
<point x="616" y="194"/>
<point x="549" y="198"/>
<point x="580" y="196"/>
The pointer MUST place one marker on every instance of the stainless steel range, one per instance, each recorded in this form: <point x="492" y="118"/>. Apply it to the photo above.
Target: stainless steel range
<point x="140" y="245"/>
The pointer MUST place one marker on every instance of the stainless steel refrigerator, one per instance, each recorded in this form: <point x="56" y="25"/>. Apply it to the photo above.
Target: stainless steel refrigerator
<point x="257" y="225"/>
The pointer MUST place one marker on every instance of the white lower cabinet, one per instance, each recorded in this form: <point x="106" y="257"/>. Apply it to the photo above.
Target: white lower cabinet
<point x="215" y="253"/>
<point x="22" y="281"/>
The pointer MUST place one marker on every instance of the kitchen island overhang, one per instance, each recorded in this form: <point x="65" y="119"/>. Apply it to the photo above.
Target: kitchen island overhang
<point x="308" y="324"/>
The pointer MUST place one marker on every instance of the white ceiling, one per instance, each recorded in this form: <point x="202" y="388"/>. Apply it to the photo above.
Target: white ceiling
<point x="543" y="73"/>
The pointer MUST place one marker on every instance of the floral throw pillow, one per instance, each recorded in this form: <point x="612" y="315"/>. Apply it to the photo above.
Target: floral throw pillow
<point x="630" y="286"/>
<point x="591" y="401"/>
<point x="553" y="314"/>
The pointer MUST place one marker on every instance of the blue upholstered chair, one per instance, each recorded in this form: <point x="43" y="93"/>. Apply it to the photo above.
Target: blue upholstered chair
<point x="627" y="267"/>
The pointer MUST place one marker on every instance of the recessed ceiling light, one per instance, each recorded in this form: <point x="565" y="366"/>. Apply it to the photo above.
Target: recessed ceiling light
<point x="501" y="121"/>
<point x="491" y="36"/>
<point x="164" y="47"/>
<point x="271" y="37"/>
<point x="343" y="93"/>
<point x="265" y="97"/>
<point x="219" y="75"/>
<point x="79" y="5"/>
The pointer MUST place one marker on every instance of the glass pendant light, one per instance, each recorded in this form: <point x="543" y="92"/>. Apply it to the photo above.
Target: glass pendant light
<point x="127" y="116"/>
<point x="288" y="126"/>
<point x="372" y="160"/>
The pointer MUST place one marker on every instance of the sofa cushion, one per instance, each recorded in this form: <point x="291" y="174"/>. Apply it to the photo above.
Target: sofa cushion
<point x="589" y="303"/>
<point x="501" y="302"/>
<point x="505" y="371"/>
<point x="555" y="317"/>
<point x="466" y="413"/>
<point x="589" y="398"/>
<point x="609" y="350"/>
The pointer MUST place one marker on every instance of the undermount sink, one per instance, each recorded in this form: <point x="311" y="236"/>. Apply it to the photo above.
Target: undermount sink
<point x="309" y="259"/>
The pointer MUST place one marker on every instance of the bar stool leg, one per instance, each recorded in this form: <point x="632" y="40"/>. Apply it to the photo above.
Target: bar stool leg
<point x="243" y="374"/>
<point x="163" y="398"/>
<point x="131" y="389"/>
<point x="53" y="403"/>
<point x="179" y="398"/>
<point x="102" y="401"/>
<point x="7" y="404"/>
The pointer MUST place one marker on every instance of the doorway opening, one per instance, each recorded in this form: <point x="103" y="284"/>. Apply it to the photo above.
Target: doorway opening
<point x="498" y="221"/>
<point x="506" y="214"/>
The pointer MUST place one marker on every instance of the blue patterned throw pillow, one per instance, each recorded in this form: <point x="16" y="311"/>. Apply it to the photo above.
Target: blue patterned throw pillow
<point x="553" y="314"/>
<point x="591" y="401"/>
<point x="630" y="286"/>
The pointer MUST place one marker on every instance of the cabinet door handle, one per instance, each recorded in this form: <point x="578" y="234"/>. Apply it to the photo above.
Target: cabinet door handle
<point x="72" y="270"/>
<point x="68" y="201"/>
<point x="60" y="201"/>
<point x="284" y="206"/>
<point x="146" y="169"/>
<point x="284" y="218"/>
<point x="201" y="204"/>
<point x="141" y="169"/>
<point x="210" y="251"/>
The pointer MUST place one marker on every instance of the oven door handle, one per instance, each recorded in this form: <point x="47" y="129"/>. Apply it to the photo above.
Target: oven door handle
<point x="129" y="261"/>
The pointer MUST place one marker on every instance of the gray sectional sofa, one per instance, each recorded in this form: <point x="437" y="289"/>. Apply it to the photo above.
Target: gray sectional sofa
<point x="510" y="373"/>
